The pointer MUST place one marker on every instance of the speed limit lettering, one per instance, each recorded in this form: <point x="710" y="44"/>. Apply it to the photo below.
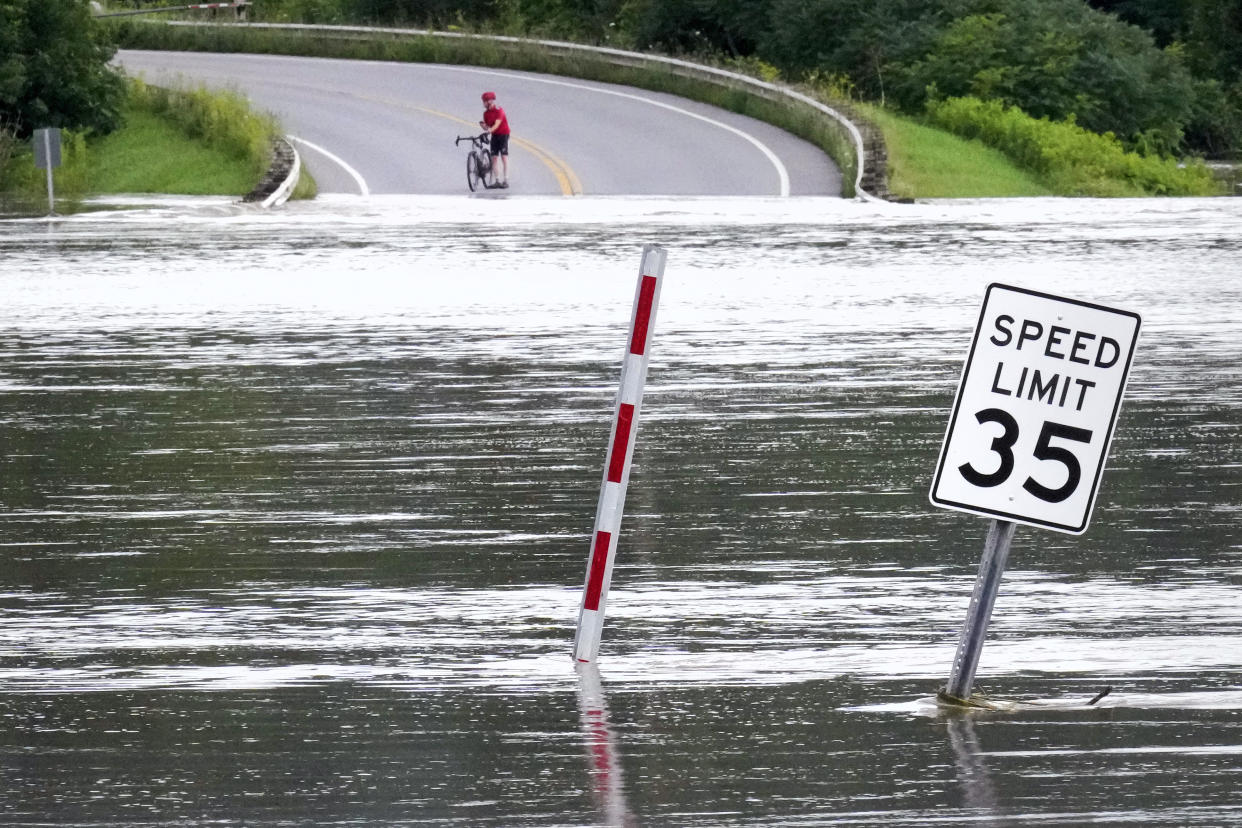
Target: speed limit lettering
<point x="1035" y="410"/>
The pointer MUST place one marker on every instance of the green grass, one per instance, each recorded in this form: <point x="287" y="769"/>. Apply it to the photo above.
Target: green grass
<point x="1071" y="160"/>
<point x="150" y="154"/>
<point x="924" y="162"/>
<point x="186" y="142"/>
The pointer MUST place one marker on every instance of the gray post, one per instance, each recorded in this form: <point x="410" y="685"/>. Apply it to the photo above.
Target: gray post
<point x="995" y="554"/>
<point x="47" y="153"/>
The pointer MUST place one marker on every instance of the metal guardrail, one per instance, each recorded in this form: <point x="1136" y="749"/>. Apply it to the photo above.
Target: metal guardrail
<point x="623" y="58"/>
<point x="239" y="6"/>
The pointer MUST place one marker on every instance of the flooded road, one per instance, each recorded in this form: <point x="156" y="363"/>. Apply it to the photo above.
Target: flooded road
<point x="296" y="505"/>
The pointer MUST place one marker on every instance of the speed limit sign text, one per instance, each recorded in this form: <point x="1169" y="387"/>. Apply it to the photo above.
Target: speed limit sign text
<point x="1035" y="410"/>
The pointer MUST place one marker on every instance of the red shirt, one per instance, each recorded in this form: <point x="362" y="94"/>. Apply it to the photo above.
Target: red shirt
<point x="491" y="116"/>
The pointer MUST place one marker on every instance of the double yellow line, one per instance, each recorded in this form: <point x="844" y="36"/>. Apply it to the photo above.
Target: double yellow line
<point x="566" y="178"/>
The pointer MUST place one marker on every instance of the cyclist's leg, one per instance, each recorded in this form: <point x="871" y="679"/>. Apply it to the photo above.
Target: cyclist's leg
<point x="503" y="148"/>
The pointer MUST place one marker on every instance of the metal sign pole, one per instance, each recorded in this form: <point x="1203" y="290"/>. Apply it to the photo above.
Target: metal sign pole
<point x="47" y="153"/>
<point x="991" y="568"/>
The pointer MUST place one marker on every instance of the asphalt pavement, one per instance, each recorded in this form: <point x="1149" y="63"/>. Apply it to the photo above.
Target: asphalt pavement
<point x="375" y="127"/>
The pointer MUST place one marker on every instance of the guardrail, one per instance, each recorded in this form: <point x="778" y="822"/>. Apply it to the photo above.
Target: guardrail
<point x="685" y="68"/>
<point x="238" y="6"/>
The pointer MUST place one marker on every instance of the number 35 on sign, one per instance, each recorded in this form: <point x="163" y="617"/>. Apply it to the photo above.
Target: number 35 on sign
<point x="1035" y="410"/>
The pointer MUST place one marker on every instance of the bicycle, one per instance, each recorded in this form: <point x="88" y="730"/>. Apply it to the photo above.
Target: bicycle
<point x="479" y="162"/>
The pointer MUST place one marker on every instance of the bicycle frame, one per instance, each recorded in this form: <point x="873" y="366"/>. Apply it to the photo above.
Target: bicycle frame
<point x="479" y="161"/>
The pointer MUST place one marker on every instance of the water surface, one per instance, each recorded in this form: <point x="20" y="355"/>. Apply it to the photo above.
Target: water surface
<point x="296" y="509"/>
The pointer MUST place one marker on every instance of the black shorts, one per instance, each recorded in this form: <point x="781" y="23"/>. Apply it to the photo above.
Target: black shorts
<point x="500" y="144"/>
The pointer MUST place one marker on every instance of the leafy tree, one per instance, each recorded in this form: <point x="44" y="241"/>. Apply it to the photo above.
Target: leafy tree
<point x="1214" y="50"/>
<point x="729" y="26"/>
<point x="54" y="68"/>
<point x="422" y="11"/>
<point x="590" y="20"/>
<point x="1058" y="60"/>
<point x="863" y="39"/>
<point x="302" y="11"/>
<point x="1166" y="19"/>
<point x="1214" y="38"/>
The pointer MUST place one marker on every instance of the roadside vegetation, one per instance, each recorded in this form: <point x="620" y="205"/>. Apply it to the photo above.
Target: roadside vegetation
<point x="1068" y="158"/>
<point x="118" y="135"/>
<point x="175" y="141"/>
<point x="932" y="163"/>
<point x="1164" y="77"/>
<point x="1068" y="97"/>
<point x="185" y="141"/>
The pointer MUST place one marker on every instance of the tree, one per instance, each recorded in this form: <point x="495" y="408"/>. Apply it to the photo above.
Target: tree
<point x="727" y="26"/>
<point x="422" y="11"/>
<point x="1165" y="19"/>
<point x="862" y="39"/>
<point x="54" y="68"/>
<point x="1060" y="60"/>
<point x="1214" y="38"/>
<point x="1214" y="50"/>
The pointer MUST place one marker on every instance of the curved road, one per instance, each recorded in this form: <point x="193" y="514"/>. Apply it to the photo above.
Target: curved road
<point x="372" y="127"/>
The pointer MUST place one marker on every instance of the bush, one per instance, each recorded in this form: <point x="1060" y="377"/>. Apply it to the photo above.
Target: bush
<point x="1071" y="160"/>
<point x="223" y="120"/>
<point x="54" y="68"/>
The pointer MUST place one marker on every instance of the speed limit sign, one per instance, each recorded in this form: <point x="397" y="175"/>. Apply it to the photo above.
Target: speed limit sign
<point x="1035" y="410"/>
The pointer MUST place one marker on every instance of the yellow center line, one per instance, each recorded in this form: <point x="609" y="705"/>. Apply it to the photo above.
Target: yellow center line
<point x="566" y="178"/>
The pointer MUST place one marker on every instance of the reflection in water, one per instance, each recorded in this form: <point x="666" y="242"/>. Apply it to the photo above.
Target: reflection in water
<point x="603" y="756"/>
<point x="978" y="791"/>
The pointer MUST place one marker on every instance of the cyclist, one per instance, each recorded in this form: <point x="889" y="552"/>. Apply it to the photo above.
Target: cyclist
<point x="497" y="125"/>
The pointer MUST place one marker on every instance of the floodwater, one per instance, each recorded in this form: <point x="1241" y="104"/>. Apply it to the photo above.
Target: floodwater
<point x="296" y="510"/>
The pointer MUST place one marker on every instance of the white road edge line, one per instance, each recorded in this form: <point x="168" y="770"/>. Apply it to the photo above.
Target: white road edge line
<point x="781" y="172"/>
<point x="358" y="179"/>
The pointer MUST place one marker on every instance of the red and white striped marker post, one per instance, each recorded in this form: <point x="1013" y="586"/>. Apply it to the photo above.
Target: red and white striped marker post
<point x="620" y="453"/>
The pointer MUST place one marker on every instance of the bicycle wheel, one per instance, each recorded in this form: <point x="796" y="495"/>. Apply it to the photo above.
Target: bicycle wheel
<point x="485" y="167"/>
<point x="473" y="176"/>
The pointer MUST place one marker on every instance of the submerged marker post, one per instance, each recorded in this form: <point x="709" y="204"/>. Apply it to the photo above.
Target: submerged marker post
<point x="620" y="453"/>
<point x="47" y="157"/>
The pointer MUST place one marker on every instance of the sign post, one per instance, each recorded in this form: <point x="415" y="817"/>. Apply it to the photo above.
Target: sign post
<point x="47" y="157"/>
<point x="975" y="630"/>
<point x="620" y="454"/>
<point x="1030" y="430"/>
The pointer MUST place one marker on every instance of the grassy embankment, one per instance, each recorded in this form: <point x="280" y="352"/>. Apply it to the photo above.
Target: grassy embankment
<point x="185" y="142"/>
<point x="191" y="142"/>
<point x="924" y="162"/>
<point x="964" y="148"/>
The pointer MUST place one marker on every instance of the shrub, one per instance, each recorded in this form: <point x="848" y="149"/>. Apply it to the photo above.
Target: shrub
<point x="1070" y="159"/>
<point x="54" y="68"/>
<point x="220" y="119"/>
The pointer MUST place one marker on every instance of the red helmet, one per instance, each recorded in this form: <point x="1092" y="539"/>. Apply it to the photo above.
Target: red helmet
<point x="489" y="96"/>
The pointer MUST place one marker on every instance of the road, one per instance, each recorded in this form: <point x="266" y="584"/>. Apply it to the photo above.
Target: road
<point x="373" y="127"/>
